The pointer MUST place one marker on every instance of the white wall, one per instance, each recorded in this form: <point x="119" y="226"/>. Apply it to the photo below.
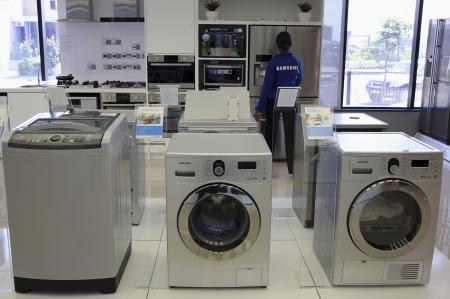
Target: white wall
<point x="272" y="10"/>
<point x="82" y="44"/>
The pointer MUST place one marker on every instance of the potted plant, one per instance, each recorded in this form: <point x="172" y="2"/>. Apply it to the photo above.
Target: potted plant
<point x="305" y="11"/>
<point x="211" y="9"/>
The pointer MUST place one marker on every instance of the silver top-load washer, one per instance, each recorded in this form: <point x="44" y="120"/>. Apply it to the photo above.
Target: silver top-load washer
<point x="376" y="209"/>
<point x="305" y="159"/>
<point x="69" y="204"/>
<point x="219" y="201"/>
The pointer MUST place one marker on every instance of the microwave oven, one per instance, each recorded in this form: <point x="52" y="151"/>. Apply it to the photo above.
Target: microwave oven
<point x="222" y="73"/>
<point x="222" y="41"/>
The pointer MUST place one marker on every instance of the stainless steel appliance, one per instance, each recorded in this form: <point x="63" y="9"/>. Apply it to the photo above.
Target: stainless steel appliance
<point x="435" y="112"/>
<point x="122" y="98"/>
<point x="305" y="160"/>
<point x="170" y="70"/>
<point x="376" y="209"/>
<point x="219" y="203"/>
<point x="70" y="226"/>
<point x="221" y="73"/>
<point x="85" y="100"/>
<point x="222" y="41"/>
<point x="125" y="11"/>
<point x="306" y="45"/>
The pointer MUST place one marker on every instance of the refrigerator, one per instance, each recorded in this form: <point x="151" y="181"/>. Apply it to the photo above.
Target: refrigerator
<point x="306" y="44"/>
<point x="435" y="111"/>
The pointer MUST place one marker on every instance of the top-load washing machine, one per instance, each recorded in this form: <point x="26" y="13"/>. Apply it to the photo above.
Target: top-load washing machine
<point x="305" y="159"/>
<point x="219" y="202"/>
<point x="67" y="182"/>
<point x="376" y="209"/>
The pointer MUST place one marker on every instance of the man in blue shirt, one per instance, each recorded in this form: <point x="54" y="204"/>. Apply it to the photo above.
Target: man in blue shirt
<point x="283" y="70"/>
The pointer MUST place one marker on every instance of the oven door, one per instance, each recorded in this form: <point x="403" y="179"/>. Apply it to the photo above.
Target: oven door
<point x="219" y="222"/>
<point x="389" y="218"/>
<point x="216" y="75"/>
<point x="160" y="73"/>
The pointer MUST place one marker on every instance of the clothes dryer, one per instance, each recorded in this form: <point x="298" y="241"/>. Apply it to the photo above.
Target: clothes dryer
<point x="376" y="209"/>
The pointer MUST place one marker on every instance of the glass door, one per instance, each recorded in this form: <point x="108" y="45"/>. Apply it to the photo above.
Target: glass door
<point x="389" y="218"/>
<point x="219" y="222"/>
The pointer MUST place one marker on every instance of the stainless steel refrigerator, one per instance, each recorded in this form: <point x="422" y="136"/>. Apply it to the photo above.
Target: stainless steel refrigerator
<point x="435" y="112"/>
<point x="306" y="45"/>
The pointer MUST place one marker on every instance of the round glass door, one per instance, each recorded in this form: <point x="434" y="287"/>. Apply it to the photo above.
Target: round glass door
<point x="218" y="222"/>
<point x="389" y="218"/>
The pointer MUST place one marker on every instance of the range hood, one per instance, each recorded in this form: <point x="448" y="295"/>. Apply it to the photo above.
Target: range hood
<point x="125" y="11"/>
<point x="78" y="11"/>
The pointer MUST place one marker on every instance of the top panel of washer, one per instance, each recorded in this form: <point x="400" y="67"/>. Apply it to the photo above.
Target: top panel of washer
<point x="218" y="144"/>
<point x="381" y="143"/>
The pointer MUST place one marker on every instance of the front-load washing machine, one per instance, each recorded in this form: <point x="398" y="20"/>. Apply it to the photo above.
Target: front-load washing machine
<point x="219" y="201"/>
<point x="67" y="180"/>
<point x="377" y="203"/>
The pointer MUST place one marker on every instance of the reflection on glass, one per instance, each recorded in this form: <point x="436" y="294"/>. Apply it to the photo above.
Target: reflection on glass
<point x="219" y="223"/>
<point x="432" y="9"/>
<point x="378" y="54"/>
<point x="390" y="220"/>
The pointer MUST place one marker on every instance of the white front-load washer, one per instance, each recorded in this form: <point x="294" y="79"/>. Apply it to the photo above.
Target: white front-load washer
<point x="377" y="203"/>
<point x="219" y="201"/>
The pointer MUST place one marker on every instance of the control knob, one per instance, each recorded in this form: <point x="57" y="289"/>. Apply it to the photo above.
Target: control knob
<point x="219" y="168"/>
<point x="393" y="166"/>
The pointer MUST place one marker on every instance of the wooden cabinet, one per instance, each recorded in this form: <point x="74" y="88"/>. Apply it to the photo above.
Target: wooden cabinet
<point x="170" y="26"/>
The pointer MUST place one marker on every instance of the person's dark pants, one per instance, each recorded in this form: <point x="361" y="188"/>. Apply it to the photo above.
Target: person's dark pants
<point x="271" y="128"/>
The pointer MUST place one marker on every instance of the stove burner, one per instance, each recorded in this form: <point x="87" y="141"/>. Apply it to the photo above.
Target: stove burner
<point x="122" y="84"/>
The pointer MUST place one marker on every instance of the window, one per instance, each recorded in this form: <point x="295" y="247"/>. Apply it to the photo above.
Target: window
<point x="378" y="57"/>
<point x="20" y="46"/>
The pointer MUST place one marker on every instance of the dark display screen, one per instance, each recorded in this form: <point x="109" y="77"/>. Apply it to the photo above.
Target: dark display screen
<point x="246" y="165"/>
<point x="420" y="163"/>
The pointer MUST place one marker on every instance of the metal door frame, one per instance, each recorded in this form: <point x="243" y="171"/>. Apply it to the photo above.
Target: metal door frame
<point x="362" y="201"/>
<point x="231" y="191"/>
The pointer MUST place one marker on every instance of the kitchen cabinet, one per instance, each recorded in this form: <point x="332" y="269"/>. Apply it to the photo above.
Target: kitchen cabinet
<point x="170" y="26"/>
<point x="24" y="105"/>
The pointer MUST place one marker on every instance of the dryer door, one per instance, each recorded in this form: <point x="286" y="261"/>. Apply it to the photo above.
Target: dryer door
<point x="389" y="218"/>
<point x="219" y="222"/>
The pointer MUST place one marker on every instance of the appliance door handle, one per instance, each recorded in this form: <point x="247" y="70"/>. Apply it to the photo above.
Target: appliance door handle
<point x="84" y="98"/>
<point x="224" y="66"/>
<point x="171" y="64"/>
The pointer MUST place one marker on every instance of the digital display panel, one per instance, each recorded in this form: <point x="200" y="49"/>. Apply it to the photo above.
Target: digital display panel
<point x="420" y="163"/>
<point x="246" y="165"/>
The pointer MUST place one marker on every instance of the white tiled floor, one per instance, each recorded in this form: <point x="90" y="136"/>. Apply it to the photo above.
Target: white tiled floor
<point x="294" y="270"/>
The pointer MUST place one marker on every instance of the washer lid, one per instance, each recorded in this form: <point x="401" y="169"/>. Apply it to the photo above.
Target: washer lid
<point x="69" y="132"/>
<point x="381" y="143"/>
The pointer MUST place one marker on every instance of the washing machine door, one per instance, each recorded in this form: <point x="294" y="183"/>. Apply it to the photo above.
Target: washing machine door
<point x="219" y="222"/>
<point x="389" y="218"/>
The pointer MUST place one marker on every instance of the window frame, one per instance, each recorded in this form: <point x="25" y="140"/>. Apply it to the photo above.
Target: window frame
<point x="412" y="72"/>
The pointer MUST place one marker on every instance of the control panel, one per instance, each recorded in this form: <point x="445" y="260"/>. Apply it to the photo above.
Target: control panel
<point x="123" y="98"/>
<point x="24" y="140"/>
<point x="247" y="170"/>
<point x="408" y="166"/>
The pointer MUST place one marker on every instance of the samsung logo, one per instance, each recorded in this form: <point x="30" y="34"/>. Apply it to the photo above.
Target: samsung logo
<point x="184" y="163"/>
<point x="287" y="68"/>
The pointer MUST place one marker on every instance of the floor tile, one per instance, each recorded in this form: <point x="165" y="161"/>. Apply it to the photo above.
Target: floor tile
<point x="134" y="283"/>
<point x="152" y="223"/>
<point x="160" y="275"/>
<point x="280" y="230"/>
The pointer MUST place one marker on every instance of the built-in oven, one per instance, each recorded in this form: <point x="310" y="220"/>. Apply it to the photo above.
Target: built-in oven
<point x="217" y="73"/>
<point x="222" y="41"/>
<point x="85" y="100"/>
<point x="122" y="100"/>
<point x="171" y="70"/>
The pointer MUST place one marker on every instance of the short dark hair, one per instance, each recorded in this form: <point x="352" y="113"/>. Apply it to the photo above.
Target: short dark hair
<point x="284" y="41"/>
